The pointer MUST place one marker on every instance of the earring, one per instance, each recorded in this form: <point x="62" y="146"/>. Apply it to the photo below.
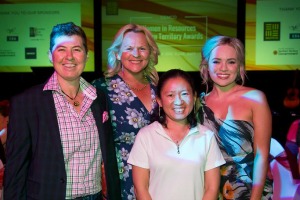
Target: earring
<point x="160" y="116"/>
<point x="122" y="68"/>
<point x="159" y="111"/>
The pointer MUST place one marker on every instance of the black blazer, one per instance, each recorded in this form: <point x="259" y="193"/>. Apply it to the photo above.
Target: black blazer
<point x="35" y="162"/>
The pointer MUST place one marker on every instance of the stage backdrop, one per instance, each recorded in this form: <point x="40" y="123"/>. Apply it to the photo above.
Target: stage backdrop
<point x="179" y="27"/>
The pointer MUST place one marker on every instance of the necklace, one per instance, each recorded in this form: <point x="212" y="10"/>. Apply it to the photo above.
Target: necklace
<point x="75" y="103"/>
<point x="134" y="88"/>
<point x="177" y="142"/>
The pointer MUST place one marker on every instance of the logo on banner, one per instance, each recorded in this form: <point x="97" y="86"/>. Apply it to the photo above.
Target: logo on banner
<point x="272" y="31"/>
<point x="30" y="53"/>
<point x="295" y="28"/>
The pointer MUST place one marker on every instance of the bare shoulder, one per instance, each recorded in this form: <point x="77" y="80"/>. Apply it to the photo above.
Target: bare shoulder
<point x="253" y="94"/>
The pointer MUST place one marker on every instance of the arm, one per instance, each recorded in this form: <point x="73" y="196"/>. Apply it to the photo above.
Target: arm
<point x="211" y="184"/>
<point x="109" y="168"/>
<point x="141" y="182"/>
<point x="292" y="132"/>
<point x="262" y="120"/>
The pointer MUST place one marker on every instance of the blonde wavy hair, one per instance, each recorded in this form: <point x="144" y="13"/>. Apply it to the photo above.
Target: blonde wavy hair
<point x="214" y="42"/>
<point x="114" y="65"/>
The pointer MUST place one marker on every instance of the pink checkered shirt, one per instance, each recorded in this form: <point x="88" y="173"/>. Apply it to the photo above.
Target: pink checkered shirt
<point x="79" y="139"/>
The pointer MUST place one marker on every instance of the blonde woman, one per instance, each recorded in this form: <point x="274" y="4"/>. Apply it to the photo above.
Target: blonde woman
<point x="240" y="117"/>
<point x="130" y="84"/>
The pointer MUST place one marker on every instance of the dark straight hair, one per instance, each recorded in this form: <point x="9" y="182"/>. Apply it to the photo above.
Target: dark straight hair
<point x="160" y="116"/>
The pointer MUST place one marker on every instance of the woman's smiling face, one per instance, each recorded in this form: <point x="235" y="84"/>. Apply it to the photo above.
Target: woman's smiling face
<point x="176" y="99"/>
<point x="135" y="52"/>
<point x="223" y="66"/>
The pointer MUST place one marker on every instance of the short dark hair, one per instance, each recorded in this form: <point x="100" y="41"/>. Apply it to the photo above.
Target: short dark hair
<point x="67" y="29"/>
<point x="174" y="73"/>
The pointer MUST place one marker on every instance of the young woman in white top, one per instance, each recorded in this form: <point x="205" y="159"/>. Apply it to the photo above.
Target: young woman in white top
<point x="175" y="158"/>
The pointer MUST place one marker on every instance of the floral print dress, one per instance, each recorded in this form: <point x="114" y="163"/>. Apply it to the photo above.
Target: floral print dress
<point x="235" y="139"/>
<point x="128" y="114"/>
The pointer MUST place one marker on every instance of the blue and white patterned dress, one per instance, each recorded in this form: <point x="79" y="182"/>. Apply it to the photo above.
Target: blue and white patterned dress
<point x="235" y="139"/>
<point x="128" y="114"/>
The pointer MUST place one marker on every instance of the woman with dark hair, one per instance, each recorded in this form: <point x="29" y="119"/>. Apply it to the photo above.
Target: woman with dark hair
<point x="175" y="158"/>
<point x="59" y="134"/>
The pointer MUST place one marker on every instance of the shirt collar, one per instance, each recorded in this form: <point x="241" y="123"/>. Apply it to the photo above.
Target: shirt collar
<point x="87" y="88"/>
